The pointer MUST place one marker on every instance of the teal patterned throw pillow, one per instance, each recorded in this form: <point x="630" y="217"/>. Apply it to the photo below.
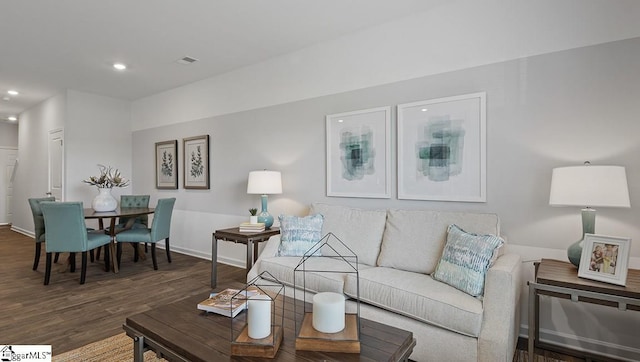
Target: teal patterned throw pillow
<point x="299" y="234"/>
<point x="465" y="260"/>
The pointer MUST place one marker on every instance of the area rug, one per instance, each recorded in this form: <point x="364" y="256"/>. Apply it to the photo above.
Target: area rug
<point x="118" y="348"/>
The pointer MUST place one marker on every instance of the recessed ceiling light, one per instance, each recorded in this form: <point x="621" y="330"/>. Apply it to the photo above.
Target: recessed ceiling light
<point x="424" y="109"/>
<point x="5" y="98"/>
<point x="13" y="92"/>
<point x="12" y="118"/>
<point x="120" y="66"/>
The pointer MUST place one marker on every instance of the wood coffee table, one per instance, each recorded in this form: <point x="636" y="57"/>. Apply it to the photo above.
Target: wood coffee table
<point x="181" y="332"/>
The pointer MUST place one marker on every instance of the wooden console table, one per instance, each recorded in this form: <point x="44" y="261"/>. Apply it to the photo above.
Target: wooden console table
<point x="251" y="240"/>
<point x="559" y="279"/>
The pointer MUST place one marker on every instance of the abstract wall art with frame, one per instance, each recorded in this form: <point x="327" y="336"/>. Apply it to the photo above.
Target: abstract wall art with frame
<point x="358" y="153"/>
<point x="442" y="149"/>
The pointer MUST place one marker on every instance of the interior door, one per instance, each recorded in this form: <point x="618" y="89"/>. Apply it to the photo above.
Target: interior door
<point x="56" y="164"/>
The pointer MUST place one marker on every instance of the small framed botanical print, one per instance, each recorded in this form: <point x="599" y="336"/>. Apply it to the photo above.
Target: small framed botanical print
<point x="167" y="164"/>
<point x="196" y="162"/>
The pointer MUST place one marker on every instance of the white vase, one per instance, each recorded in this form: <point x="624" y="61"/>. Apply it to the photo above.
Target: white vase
<point x="253" y="219"/>
<point x="104" y="201"/>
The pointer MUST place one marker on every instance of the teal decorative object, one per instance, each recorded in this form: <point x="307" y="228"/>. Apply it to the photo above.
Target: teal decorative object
<point x="574" y="253"/>
<point x="264" y="215"/>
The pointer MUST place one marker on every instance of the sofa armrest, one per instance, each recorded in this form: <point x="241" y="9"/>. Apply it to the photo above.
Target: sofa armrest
<point x="501" y="320"/>
<point x="270" y="250"/>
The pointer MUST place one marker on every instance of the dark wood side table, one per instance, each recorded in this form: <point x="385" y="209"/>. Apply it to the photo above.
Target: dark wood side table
<point x="559" y="279"/>
<point x="251" y="240"/>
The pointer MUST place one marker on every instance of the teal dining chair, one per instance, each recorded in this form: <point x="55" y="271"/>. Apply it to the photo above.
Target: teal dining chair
<point x="38" y="226"/>
<point x="65" y="231"/>
<point x="141" y="221"/>
<point x="160" y="230"/>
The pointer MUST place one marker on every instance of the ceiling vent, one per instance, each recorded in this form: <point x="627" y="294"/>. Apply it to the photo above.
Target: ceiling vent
<point x="187" y="60"/>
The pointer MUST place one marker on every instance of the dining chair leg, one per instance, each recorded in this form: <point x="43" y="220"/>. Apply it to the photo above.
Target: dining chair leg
<point x="83" y="272"/>
<point x="118" y="253"/>
<point x="136" y="255"/>
<point x="166" y="248"/>
<point x="36" y="259"/>
<point x="91" y="255"/>
<point x="55" y="259"/>
<point x="72" y="261"/>
<point x="47" y="271"/>
<point x="98" y="249"/>
<point x="107" y="259"/>
<point x="153" y="256"/>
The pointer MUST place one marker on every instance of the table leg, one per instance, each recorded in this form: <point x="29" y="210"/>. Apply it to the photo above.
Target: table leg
<point x="138" y="349"/>
<point x="214" y="261"/>
<point x="532" y="320"/>
<point x="255" y="253"/>
<point x="249" y="254"/>
<point x="112" y="245"/>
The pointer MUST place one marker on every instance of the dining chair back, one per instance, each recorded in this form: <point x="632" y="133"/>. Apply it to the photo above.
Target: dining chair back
<point x="65" y="231"/>
<point x="160" y="230"/>
<point x="38" y="225"/>
<point x="135" y="201"/>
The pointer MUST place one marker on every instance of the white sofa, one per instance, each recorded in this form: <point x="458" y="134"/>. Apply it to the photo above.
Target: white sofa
<point x="397" y="251"/>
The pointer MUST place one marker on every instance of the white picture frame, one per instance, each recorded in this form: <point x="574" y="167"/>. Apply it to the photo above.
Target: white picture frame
<point x="605" y="258"/>
<point x="442" y="153"/>
<point x="359" y="153"/>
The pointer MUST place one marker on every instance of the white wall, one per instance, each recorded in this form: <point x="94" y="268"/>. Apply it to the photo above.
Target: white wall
<point x="8" y="134"/>
<point x="457" y="35"/>
<point x="96" y="130"/>
<point x="32" y="172"/>
<point x="542" y="112"/>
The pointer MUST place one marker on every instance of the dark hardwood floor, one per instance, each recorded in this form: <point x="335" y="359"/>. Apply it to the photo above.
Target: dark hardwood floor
<point x="68" y="315"/>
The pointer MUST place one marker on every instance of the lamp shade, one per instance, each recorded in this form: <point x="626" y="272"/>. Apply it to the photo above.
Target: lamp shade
<point x="589" y="186"/>
<point x="264" y="182"/>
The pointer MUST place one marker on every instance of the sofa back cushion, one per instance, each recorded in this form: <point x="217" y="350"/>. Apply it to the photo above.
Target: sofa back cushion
<point x="414" y="239"/>
<point x="361" y="230"/>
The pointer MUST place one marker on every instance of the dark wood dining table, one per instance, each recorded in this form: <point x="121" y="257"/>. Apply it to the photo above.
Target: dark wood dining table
<point x="128" y="212"/>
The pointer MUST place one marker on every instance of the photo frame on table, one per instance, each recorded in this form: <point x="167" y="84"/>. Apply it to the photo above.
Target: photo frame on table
<point x="442" y="152"/>
<point x="605" y="258"/>
<point x="359" y="153"/>
<point x="167" y="164"/>
<point x="196" y="162"/>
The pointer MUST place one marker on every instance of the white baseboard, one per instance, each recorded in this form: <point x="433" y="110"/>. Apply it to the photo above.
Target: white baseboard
<point x="207" y="256"/>
<point x="23" y="231"/>
<point x="582" y="344"/>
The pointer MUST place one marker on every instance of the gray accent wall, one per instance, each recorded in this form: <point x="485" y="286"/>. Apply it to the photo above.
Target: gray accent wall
<point x="545" y="111"/>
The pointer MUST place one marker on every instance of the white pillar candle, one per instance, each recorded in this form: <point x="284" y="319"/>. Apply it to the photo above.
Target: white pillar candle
<point x="328" y="312"/>
<point x="259" y="316"/>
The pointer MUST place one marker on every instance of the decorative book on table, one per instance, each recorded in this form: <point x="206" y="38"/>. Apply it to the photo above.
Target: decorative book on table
<point x="247" y="227"/>
<point x="225" y="303"/>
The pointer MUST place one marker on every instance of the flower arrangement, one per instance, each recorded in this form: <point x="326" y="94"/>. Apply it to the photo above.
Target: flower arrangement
<point x="109" y="177"/>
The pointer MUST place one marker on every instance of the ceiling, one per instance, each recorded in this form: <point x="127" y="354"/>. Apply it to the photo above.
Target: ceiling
<point x="48" y="46"/>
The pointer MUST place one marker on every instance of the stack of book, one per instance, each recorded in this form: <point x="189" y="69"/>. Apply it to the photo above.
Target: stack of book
<point x="227" y="302"/>
<point x="247" y="227"/>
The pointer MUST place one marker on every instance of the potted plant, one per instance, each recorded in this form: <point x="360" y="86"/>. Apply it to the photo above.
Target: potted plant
<point x="254" y="215"/>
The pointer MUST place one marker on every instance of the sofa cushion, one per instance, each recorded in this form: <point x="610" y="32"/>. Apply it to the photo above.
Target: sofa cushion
<point x="299" y="234"/>
<point x="466" y="258"/>
<point x="361" y="230"/>
<point x="282" y="268"/>
<point x="414" y="239"/>
<point x="420" y="297"/>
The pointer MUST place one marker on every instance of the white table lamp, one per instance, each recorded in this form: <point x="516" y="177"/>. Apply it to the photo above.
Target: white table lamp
<point x="588" y="186"/>
<point x="264" y="183"/>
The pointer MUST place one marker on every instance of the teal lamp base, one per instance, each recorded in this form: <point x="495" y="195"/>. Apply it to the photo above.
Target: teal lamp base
<point x="264" y="216"/>
<point x="574" y="252"/>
